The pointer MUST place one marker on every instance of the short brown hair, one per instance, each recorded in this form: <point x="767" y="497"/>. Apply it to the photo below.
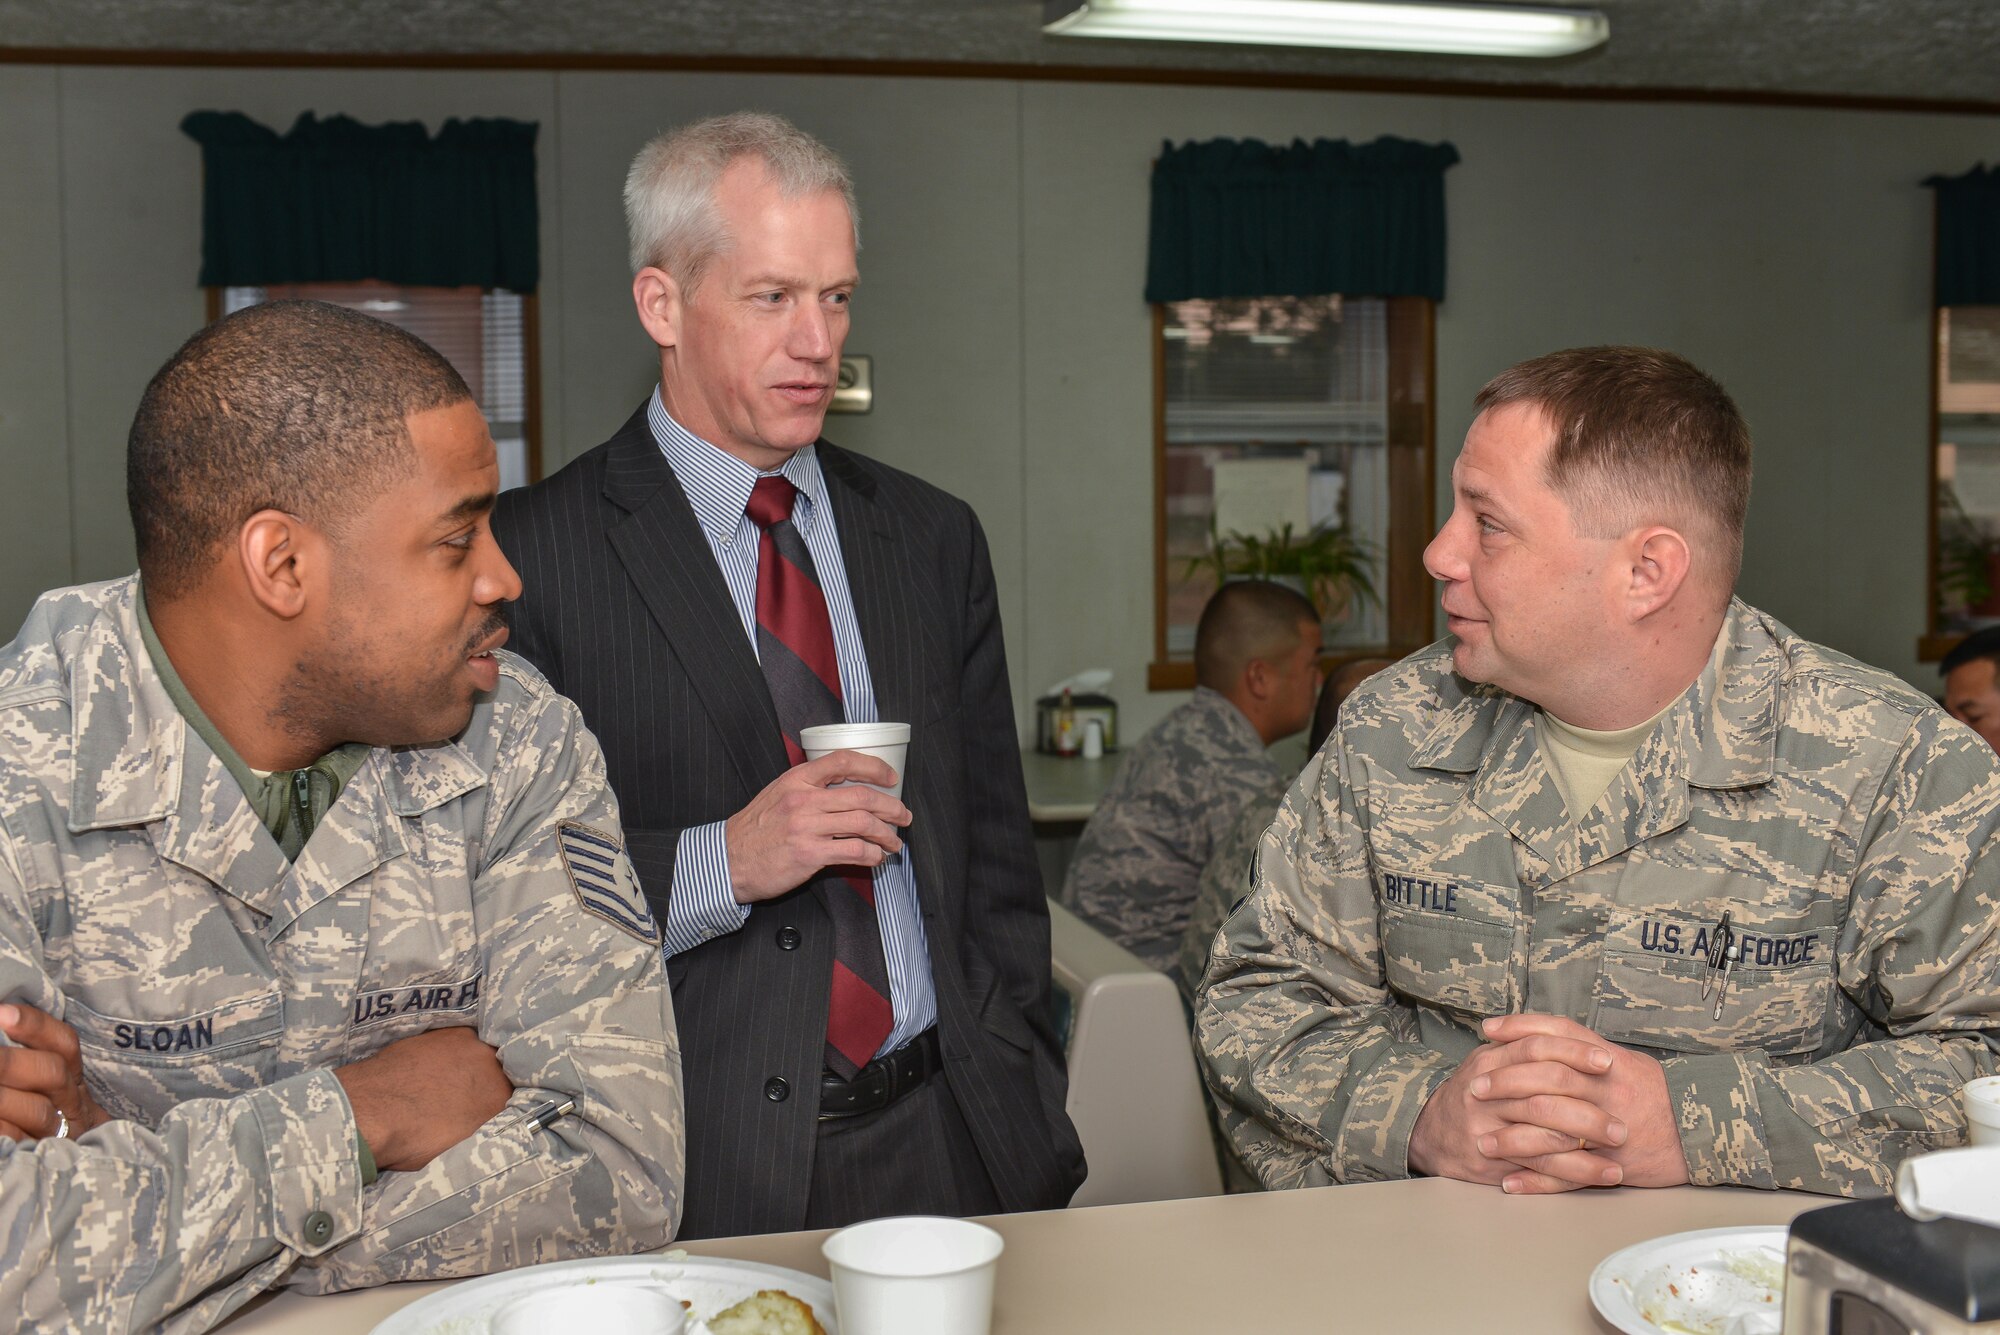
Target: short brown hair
<point x="1247" y="619"/>
<point x="291" y="405"/>
<point x="1640" y="435"/>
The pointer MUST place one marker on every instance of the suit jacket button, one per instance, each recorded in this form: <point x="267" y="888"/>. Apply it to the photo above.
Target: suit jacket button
<point x="788" y="938"/>
<point x="776" y="1089"/>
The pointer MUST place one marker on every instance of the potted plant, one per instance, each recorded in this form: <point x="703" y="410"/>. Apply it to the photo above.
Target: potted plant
<point x="1328" y="564"/>
<point x="1967" y="559"/>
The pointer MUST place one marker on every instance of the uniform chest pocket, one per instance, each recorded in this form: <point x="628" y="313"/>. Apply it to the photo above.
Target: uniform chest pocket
<point x="1458" y="964"/>
<point x="1655" y="1000"/>
<point x="139" y="1067"/>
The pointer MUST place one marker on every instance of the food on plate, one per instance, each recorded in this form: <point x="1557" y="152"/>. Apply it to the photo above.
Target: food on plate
<point x="1730" y="1294"/>
<point x="767" y="1312"/>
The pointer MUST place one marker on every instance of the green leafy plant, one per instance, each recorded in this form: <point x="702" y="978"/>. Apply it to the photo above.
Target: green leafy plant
<point x="1965" y="554"/>
<point x="1336" y="568"/>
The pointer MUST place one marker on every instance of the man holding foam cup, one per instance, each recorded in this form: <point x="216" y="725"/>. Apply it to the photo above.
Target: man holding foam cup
<point x="859" y="947"/>
<point x="887" y="742"/>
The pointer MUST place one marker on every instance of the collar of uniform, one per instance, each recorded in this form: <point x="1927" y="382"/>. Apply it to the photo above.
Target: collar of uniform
<point x="1729" y="728"/>
<point x="128" y="741"/>
<point x="1475" y="716"/>
<point x="718" y="484"/>
<point x="1231" y="725"/>
<point x="1725" y="725"/>
<point x="418" y="778"/>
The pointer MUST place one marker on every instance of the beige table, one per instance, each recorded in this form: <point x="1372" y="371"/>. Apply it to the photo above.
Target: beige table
<point x="1064" y="789"/>
<point x="1416" y="1257"/>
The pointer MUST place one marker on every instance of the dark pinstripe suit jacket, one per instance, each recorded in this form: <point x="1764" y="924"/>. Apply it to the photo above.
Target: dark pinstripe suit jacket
<point x="625" y="610"/>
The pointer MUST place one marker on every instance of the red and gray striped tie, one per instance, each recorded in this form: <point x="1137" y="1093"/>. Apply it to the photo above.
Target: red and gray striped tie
<point x="795" y="646"/>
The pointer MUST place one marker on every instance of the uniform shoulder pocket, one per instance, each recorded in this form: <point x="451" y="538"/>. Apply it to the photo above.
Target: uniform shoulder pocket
<point x="1447" y="943"/>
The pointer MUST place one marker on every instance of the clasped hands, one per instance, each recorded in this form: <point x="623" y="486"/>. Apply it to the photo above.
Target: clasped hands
<point x="1546" y="1105"/>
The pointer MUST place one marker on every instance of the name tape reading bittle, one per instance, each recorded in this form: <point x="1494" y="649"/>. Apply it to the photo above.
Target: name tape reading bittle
<point x="1418" y="893"/>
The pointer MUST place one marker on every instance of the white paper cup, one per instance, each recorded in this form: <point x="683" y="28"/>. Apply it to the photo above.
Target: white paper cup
<point x="1982" y="1110"/>
<point x="915" y="1275"/>
<point x="885" y="741"/>
<point x="593" y="1309"/>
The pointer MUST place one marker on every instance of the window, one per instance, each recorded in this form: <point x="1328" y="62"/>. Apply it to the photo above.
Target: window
<point x="1283" y="421"/>
<point x="1965" y="478"/>
<point x="488" y="336"/>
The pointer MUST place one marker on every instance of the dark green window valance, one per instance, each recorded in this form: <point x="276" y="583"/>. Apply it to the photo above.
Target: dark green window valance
<point x="336" y="201"/>
<point x="1968" y="238"/>
<point x="1239" y="218"/>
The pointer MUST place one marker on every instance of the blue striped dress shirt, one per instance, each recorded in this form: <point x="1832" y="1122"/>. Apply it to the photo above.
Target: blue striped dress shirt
<point x="701" y="905"/>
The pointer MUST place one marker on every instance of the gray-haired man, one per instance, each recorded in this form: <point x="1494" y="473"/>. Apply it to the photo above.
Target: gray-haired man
<point x="862" y="982"/>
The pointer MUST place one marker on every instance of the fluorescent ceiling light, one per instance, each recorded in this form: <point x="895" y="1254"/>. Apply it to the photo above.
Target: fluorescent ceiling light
<point x="1459" y="29"/>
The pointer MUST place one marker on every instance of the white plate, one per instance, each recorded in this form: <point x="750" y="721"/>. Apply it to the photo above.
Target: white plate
<point x="1620" y="1286"/>
<point x="709" y="1284"/>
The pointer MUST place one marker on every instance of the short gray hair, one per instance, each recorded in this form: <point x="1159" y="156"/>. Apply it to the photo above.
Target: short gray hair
<point x="670" y="212"/>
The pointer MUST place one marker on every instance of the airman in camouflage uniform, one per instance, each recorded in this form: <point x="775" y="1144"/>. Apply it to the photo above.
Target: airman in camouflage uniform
<point x="213" y="985"/>
<point x="1426" y="873"/>
<point x="1224" y="882"/>
<point x="1256" y="661"/>
<point x="293" y="994"/>
<point x="1423" y="874"/>
<point x="1183" y="783"/>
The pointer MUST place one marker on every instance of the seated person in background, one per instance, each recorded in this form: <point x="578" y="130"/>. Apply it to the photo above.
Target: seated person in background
<point x="1256" y="657"/>
<point x="1226" y="879"/>
<point x="321" y="962"/>
<point x="1624" y="881"/>
<point x="1971" y="691"/>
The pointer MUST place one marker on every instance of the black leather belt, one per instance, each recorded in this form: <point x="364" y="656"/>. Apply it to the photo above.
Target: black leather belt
<point x="882" y="1081"/>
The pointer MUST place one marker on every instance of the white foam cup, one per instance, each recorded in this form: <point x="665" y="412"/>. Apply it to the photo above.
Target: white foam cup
<point x="914" y="1275"/>
<point x="888" y="742"/>
<point x="604" y="1308"/>
<point x="1982" y="1110"/>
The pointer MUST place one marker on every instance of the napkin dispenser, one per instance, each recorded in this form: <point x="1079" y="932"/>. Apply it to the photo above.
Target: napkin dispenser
<point x="1087" y="706"/>
<point x="1866" y="1268"/>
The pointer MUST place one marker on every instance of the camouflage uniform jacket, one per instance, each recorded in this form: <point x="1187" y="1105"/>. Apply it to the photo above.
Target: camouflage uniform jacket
<point x="213" y="985"/>
<point x="1136" y="864"/>
<point x="1224" y="883"/>
<point x="1424" y="873"/>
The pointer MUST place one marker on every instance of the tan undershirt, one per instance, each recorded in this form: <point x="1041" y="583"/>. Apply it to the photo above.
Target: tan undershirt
<point x="1584" y="761"/>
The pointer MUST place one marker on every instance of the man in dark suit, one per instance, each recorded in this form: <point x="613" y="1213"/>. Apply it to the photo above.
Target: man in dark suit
<point x="862" y="983"/>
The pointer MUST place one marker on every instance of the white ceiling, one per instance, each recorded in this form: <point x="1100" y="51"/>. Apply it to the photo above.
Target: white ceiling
<point x="1923" y="50"/>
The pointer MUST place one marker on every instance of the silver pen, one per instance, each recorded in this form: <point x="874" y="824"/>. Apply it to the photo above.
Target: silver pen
<point x="540" y="1118"/>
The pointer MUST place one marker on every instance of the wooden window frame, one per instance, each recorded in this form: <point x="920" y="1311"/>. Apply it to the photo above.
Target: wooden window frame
<point x="1407" y="595"/>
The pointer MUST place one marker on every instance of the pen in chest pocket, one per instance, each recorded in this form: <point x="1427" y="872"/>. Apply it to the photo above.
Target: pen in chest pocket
<point x="1724" y="949"/>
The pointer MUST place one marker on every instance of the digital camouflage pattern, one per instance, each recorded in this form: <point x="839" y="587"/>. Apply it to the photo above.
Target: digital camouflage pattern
<point x="1423" y="873"/>
<point x="213" y="985"/>
<point x="1133" y="876"/>
<point x="1225" y="883"/>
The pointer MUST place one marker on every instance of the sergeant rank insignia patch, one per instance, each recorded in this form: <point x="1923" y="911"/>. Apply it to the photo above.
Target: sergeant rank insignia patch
<point x="604" y="882"/>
